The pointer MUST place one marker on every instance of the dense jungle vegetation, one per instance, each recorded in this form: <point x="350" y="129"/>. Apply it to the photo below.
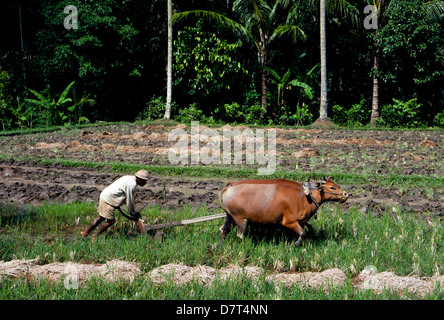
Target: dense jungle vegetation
<point x="112" y="67"/>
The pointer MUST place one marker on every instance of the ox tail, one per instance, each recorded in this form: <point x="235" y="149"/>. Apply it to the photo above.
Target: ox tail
<point x="221" y="195"/>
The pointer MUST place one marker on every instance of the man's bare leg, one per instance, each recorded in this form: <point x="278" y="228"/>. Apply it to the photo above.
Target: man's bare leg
<point x="93" y="225"/>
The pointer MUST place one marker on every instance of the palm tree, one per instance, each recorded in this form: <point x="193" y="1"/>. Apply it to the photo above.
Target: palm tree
<point x="169" y="60"/>
<point x="344" y="8"/>
<point x="260" y="22"/>
<point x="323" y="107"/>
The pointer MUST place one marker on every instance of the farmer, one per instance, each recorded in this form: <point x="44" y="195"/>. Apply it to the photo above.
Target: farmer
<point x="112" y="197"/>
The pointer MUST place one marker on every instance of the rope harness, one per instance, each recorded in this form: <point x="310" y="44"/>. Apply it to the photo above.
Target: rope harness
<point x="307" y="188"/>
<point x="307" y="191"/>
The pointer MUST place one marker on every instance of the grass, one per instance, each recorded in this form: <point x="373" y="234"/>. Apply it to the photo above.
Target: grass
<point x="345" y="240"/>
<point x="141" y="288"/>
<point x="394" y="240"/>
<point x="350" y="241"/>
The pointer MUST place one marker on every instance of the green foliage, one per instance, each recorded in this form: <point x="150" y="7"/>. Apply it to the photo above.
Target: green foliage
<point x="237" y="113"/>
<point x="5" y="100"/>
<point x="410" y="49"/>
<point x="76" y="111"/>
<point x="117" y="55"/>
<point x="205" y="65"/>
<point x="102" y="55"/>
<point x="154" y="109"/>
<point x="439" y="120"/>
<point x="300" y="116"/>
<point x="357" y="115"/>
<point x="53" y="108"/>
<point x="192" y="113"/>
<point x="401" y="114"/>
<point x="50" y="109"/>
<point x="284" y="83"/>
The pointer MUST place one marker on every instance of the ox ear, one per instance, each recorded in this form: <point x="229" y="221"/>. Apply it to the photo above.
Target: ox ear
<point x="319" y="185"/>
<point x="331" y="178"/>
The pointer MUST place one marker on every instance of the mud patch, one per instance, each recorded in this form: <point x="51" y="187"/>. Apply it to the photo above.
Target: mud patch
<point x="306" y="152"/>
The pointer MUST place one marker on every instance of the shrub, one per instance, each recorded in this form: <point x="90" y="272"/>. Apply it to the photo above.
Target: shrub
<point x="301" y="116"/>
<point x="357" y="115"/>
<point x="192" y="113"/>
<point x="253" y="114"/>
<point x="401" y="114"/>
<point x="439" y="120"/>
<point x="237" y="113"/>
<point x="155" y="109"/>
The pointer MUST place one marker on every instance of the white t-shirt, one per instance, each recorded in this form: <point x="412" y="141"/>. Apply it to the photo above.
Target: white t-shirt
<point x="120" y="190"/>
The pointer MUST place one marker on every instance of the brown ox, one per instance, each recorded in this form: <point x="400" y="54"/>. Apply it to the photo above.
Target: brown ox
<point x="277" y="201"/>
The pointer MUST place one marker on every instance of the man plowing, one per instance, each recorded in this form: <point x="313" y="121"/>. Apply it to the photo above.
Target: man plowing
<point x="112" y="197"/>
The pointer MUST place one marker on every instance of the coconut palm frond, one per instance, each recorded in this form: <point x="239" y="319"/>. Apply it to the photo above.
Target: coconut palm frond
<point x="216" y="18"/>
<point x="294" y="32"/>
<point x="254" y="13"/>
<point x="343" y="8"/>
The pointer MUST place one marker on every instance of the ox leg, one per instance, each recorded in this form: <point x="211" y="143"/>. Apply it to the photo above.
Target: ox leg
<point x="309" y="226"/>
<point x="241" y="228"/>
<point x="296" y="227"/>
<point x="226" y="228"/>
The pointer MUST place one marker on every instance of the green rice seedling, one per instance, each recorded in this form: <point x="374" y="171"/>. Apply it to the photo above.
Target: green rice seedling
<point x="349" y="240"/>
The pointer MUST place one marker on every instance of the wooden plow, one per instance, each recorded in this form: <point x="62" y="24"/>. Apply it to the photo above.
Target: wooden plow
<point x="184" y="222"/>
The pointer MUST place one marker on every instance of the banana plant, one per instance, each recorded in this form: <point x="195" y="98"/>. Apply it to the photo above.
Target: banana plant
<point x="51" y="107"/>
<point x="284" y="83"/>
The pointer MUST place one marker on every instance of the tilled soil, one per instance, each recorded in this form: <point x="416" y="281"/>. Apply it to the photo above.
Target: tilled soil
<point x="373" y="152"/>
<point x="24" y="182"/>
<point x="315" y="150"/>
<point x="32" y="183"/>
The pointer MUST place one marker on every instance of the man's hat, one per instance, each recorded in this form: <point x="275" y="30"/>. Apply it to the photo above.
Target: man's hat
<point x="142" y="174"/>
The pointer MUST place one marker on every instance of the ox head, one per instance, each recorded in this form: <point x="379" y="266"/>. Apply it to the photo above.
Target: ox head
<point x="331" y="191"/>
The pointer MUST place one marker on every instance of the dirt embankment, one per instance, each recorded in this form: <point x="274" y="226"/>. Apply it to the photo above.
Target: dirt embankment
<point x="74" y="274"/>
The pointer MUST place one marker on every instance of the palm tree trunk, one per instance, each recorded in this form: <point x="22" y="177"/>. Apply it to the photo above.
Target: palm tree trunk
<point x="264" y="89"/>
<point x="323" y="107"/>
<point x="375" y="96"/>
<point x="169" y="60"/>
